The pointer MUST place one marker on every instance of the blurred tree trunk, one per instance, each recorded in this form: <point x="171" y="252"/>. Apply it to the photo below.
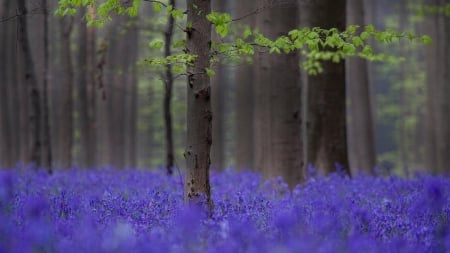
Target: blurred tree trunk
<point x="199" y="114"/>
<point x="438" y="122"/>
<point x="326" y="114"/>
<point x="65" y="109"/>
<point x="132" y="46"/>
<point x="46" y="133"/>
<point x="6" y="130"/>
<point x="86" y="92"/>
<point x="218" y="91"/>
<point x="361" y="133"/>
<point x="244" y="106"/>
<point x="29" y="77"/>
<point x="168" y="87"/>
<point x="278" y="139"/>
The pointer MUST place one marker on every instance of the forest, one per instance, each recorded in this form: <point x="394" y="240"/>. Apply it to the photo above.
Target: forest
<point x="224" y="126"/>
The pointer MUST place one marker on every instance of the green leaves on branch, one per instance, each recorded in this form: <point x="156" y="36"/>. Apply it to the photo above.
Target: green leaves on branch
<point x="221" y="22"/>
<point x="179" y="62"/>
<point x="104" y="9"/>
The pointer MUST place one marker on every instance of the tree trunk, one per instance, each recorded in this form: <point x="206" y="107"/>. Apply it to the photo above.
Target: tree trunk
<point x="46" y="138"/>
<point x="168" y="86"/>
<point x="361" y="136"/>
<point x="86" y="93"/>
<point x="65" y="112"/>
<point x="199" y="114"/>
<point x="218" y="92"/>
<point x="278" y="139"/>
<point x="30" y="81"/>
<point x="244" y="105"/>
<point x="326" y="114"/>
<point x="438" y="122"/>
<point x="6" y="145"/>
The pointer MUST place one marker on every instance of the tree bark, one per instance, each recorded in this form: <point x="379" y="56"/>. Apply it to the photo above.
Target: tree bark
<point x="86" y="93"/>
<point x="65" y="112"/>
<point x="199" y="114"/>
<point x="46" y="138"/>
<point x="6" y="145"/>
<point x="218" y="92"/>
<point x="361" y="136"/>
<point x="168" y="87"/>
<point x="278" y="139"/>
<point x="30" y="81"/>
<point x="438" y="122"/>
<point x="326" y="113"/>
<point x="244" y="104"/>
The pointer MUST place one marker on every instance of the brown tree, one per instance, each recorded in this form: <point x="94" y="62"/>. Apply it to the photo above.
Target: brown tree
<point x="28" y="76"/>
<point x="278" y="136"/>
<point x="325" y="114"/>
<point x="245" y="75"/>
<point x="438" y="92"/>
<point x="199" y="114"/>
<point x="361" y="132"/>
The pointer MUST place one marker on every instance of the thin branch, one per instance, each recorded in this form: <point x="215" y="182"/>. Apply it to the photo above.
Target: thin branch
<point x="156" y="1"/>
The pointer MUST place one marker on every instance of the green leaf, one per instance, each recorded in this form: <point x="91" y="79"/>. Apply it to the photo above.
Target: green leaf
<point x="157" y="7"/>
<point x="210" y="72"/>
<point x="157" y="44"/>
<point x="426" y="39"/>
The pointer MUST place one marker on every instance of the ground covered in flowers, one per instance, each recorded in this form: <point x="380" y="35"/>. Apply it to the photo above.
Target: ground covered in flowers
<point x="141" y="211"/>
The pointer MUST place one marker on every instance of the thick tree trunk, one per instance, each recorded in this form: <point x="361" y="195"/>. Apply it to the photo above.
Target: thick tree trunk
<point x="199" y="114"/>
<point x="326" y="114"/>
<point x="361" y="136"/>
<point x="438" y="122"/>
<point x="244" y="105"/>
<point x="168" y="87"/>
<point x="30" y="81"/>
<point x="278" y="139"/>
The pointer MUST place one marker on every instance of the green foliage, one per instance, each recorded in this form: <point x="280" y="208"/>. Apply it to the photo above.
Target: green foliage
<point x="104" y="9"/>
<point x="316" y="44"/>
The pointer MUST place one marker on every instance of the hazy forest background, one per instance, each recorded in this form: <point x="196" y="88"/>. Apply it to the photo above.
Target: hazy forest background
<point x="101" y="104"/>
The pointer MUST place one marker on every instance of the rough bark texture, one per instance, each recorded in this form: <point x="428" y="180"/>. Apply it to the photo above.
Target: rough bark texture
<point x="438" y="122"/>
<point x="30" y="81"/>
<point x="326" y="114"/>
<point x="244" y="105"/>
<point x="199" y="114"/>
<point x="361" y="134"/>
<point x="168" y="82"/>
<point x="278" y="139"/>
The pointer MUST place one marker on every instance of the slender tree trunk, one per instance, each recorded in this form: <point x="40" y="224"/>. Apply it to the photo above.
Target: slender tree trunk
<point x="131" y="109"/>
<point x="86" y="93"/>
<point x="65" y="112"/>
<point x="361" y="135"/>
<point x="168" y="82"/>
<point x="31" y="83"/>
<point x="244" y="105"/>
<point x="326" y="114"/>
<point x="6" y="145"/>
<point x="199" y="114"/>
<point x="46" y="138"/>
<point x="218" y="92"/>
<point x="278" y="139"/>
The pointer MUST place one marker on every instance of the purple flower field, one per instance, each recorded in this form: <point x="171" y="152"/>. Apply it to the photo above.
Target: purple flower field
<point x="142" y="211"/>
